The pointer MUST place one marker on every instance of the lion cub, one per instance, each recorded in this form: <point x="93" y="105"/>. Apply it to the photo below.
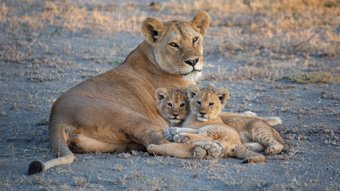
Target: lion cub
<point x="206" y="106"/>
<point x="173" y="105"/>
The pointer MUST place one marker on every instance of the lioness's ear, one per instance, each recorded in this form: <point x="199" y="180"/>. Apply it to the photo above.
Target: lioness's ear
<point x="223" y="95"/>
<point x="152" y="29"/>
<point x="160" y="94"/>
<point x="201" y="22"/>
<point x="192" y="90"/>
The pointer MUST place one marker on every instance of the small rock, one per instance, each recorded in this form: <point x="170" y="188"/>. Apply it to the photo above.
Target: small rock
<point x="2" y="113"/>
<point x="155" y="6"/>
<point x="329" y="95"/>
<point x="301" y="137"/>
<point x="42" y="122"/>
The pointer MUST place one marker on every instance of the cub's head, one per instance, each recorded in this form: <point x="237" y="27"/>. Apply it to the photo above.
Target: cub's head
<point x="172" y="104"/>
<point x="207" y="103"/>
<point x="178" y="45"/>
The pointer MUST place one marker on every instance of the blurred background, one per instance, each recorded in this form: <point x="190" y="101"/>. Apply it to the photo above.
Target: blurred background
<point x="267" y="39"/>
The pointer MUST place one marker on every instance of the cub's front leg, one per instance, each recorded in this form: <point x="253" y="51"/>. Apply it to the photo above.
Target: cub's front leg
<point x="172" y="131"/>
<point x="191" y="138"/>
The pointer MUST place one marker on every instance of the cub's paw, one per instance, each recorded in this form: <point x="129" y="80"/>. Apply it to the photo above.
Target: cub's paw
<point x="273" y="149"/>
<point x="170" y="133"/>
<point x="182" y="138"/>
<point x="208" y="150"/>
<point x="255" y="159"/>
<point x="167" y="135"/>
<point x="254" y="146"/>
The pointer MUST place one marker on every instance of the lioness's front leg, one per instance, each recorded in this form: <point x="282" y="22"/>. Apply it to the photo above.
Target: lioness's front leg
<point x="198" y="150"/>
<point x="179" y="150"/>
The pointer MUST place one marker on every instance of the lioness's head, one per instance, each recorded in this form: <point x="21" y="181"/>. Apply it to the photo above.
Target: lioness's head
<point x="178" y="45"/>
<point x="172" y="104"/>
<point x="208" y="102"/>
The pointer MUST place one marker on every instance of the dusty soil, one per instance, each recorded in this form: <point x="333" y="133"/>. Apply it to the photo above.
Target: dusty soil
<point x="277" y="60"/>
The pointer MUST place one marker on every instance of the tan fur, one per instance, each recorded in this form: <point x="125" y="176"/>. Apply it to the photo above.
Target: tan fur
<point x="256" y="130"/>
<point x="116" y="111"/>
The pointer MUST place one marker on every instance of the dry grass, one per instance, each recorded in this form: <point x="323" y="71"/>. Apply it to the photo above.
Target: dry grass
<point x="80" y="181"/>
<point x="74" y="17"/>
<point x="315" y="77"/>
<point x="287" y="26"/>
<point x="3" y="11"/>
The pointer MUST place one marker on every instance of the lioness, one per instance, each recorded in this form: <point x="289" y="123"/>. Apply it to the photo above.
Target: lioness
<point x="205" y="111"/>
<point x="116" y="111"/>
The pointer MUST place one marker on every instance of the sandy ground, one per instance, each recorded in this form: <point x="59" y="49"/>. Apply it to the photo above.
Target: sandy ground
<point x="275" y="61"/>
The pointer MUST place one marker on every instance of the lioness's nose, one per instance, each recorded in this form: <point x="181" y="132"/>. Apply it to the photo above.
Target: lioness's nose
<point x="192" y="62"/>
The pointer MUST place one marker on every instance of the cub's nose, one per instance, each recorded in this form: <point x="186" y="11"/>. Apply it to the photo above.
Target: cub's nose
<point x="192" y="62"/>
<point x="203" y="113"/>
<point x="175" y="114"/>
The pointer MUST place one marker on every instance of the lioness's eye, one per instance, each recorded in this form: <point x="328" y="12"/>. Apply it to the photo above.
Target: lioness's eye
<point x="173" y="44"/>
<point x="211" y="103"/>
<point x="182" y="105"/>
<point x="194" y="39"/>
<point x="170" y="104"/>
<point x="198" y="102"/>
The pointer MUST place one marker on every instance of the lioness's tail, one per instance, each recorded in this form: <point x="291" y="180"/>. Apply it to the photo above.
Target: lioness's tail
<point x="59" y="146"/>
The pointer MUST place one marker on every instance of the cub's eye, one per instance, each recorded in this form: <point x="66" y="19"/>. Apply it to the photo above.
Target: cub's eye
<point x="198" y="102"/>
<point x="173" y="44"/>
<point x="211" y="103"/>
<point x="170" y="104"/>
<point x="182" y="105"/>
<point x="194" y="39"/>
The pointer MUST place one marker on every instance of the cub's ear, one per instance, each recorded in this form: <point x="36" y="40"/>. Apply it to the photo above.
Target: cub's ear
<point x="160" y="94"/>
<point x="152" y="29"/>
<point x="192" y="90"/>
<point x="223" y="95"/>
<point x="201" y="22"/>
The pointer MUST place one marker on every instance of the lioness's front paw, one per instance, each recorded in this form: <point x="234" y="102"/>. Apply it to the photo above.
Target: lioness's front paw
<point x="199" y="152"/>
<point x="208" y="150"/>
<point x="182" y="138"/>
<point x="273" y="149"/>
